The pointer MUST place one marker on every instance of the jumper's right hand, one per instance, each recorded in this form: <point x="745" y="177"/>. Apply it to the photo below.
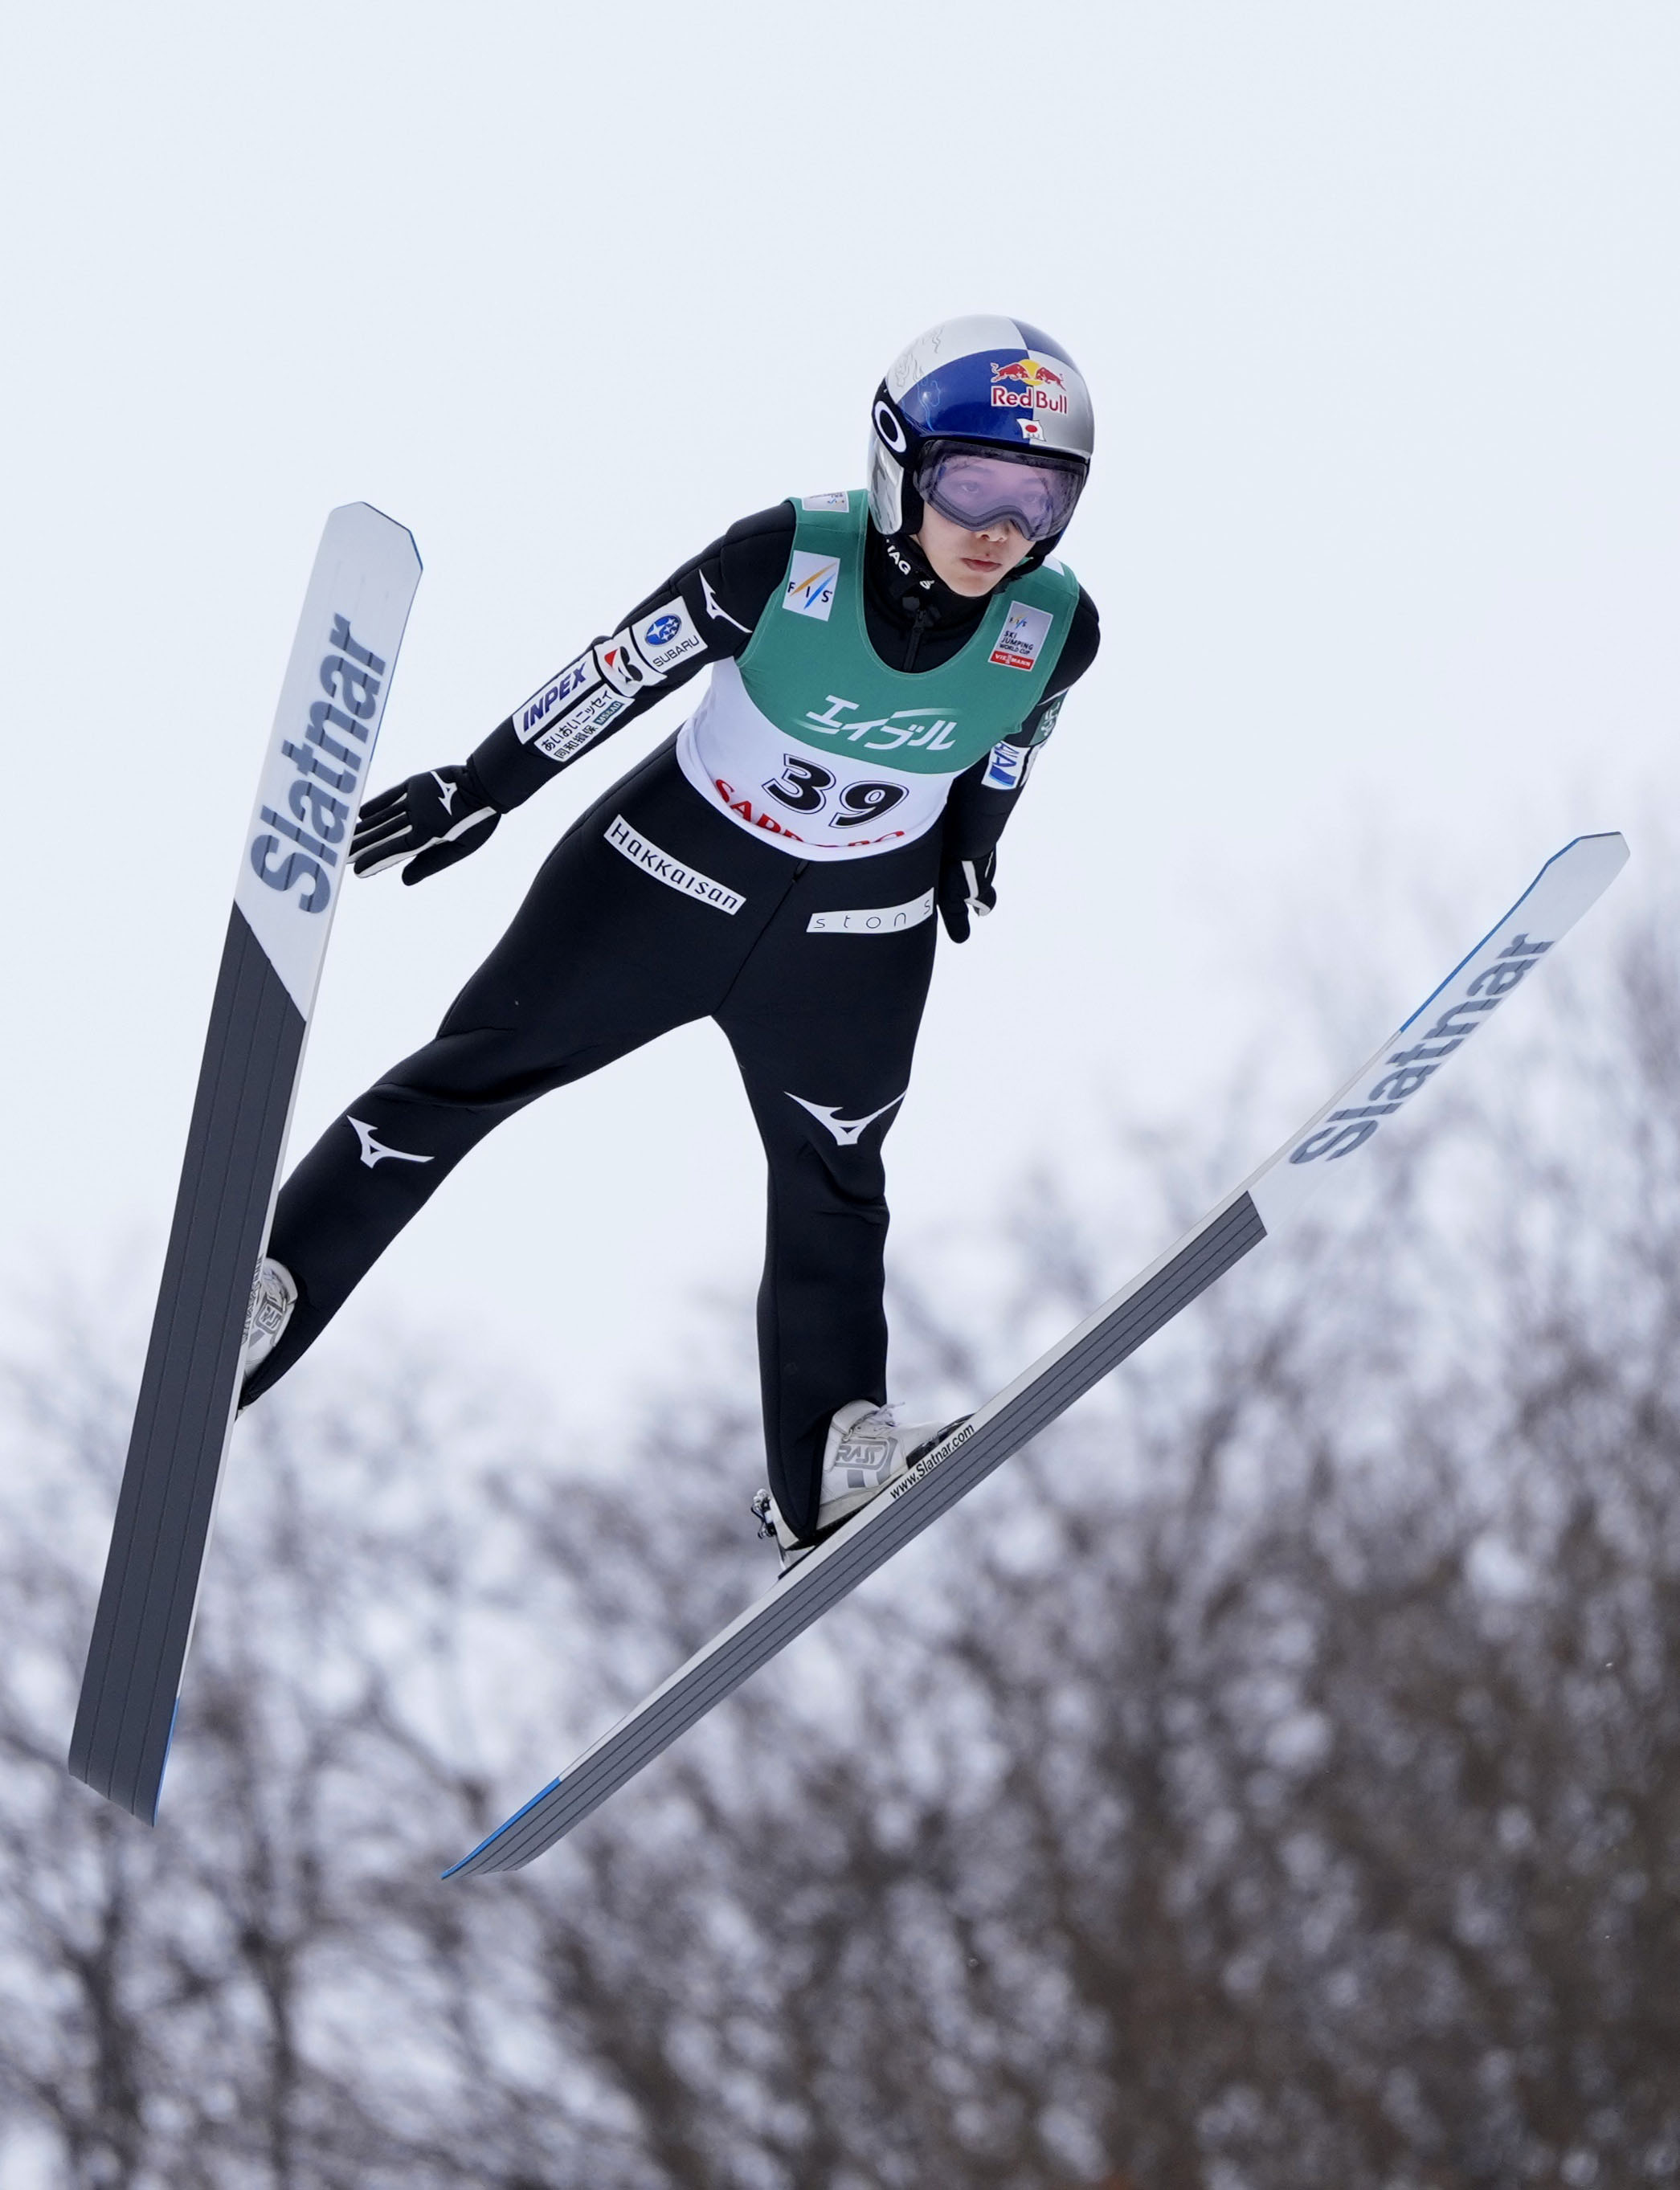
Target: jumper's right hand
<point x="429" y="823"/>
<point x="966" y="887"/>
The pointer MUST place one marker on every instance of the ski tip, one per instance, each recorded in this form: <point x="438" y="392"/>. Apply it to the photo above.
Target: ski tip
<point x="1583" y="869"/>
<point x="1607" y="847"/>
<point x="350" y="512"/>
<point x="1573" y="880"/>
<point x="473" y="1862"/>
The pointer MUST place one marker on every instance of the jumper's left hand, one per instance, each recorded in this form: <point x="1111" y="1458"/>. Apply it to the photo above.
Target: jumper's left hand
<point x="966" y="887"/>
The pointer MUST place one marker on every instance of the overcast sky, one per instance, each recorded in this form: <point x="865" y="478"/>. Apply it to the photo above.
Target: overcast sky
<point x="1378" y="306"/>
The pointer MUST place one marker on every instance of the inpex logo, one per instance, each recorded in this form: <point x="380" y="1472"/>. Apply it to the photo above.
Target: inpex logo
<point x="1025" y="384"/>
<point x="322" y="796"/>
<point x="1344" y="1130"/>
<point x="576" y="676"/>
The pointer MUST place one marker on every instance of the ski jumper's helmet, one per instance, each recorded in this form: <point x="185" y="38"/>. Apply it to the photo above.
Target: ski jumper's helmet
<point x="985" y="418"/>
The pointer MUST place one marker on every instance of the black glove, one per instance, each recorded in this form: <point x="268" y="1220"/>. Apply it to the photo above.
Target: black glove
<point x="966" y="887"/>
<point x="447" y="810"/>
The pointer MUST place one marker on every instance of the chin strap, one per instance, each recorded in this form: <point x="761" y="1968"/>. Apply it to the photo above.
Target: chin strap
<point x="915" y="588"/>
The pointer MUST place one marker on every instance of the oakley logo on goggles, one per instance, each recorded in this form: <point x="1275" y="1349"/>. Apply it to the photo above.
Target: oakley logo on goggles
<point x="975" y="491"/>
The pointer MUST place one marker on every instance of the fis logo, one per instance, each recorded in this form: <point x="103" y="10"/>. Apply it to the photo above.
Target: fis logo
<point x="322" y="797"/>
<point x="1025" y="384"/>
<point x="811" y="580"/>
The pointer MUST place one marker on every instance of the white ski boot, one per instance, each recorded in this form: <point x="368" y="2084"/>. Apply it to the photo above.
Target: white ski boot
<point x="274" y="1295"/>
<point x="867" y="1448"/>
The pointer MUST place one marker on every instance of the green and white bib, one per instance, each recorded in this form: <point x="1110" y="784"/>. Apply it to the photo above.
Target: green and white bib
<point x="811" y="740"/>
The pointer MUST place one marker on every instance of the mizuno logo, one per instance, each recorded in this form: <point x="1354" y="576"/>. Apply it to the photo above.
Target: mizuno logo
<point x="717" y="614"/>
<point x="846" y="1130"/>
<point x="446" y="792"/>
<point x="371" y="1150"/>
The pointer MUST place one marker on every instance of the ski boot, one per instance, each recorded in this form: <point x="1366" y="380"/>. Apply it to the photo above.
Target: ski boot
<point x="274" y="1295"/>
<point x="867" y="1448"/>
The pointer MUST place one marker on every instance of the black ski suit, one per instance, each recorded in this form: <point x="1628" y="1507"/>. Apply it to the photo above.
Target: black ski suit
<point x="621" y="937"/>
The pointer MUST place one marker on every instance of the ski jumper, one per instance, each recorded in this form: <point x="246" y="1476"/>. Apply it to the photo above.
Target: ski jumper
<point x="774" y="866"/>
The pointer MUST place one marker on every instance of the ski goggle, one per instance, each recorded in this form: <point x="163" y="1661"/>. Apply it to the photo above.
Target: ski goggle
<point x="1036" y="496"/>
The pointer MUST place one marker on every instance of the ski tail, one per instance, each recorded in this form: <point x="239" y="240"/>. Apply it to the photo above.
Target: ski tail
<point x="331" y="702"/>
<point x="187" y="1392"/>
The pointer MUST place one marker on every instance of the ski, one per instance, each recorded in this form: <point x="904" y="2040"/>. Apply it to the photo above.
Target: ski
<point x="1382" y="1090"/>
<point x="293" y="863"/>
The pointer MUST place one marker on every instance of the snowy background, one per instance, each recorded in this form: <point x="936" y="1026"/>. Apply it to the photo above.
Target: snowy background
<point x="1379" y="308"/>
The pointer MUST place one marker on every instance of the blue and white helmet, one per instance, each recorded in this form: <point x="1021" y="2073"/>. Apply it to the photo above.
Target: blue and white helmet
<point x="979" y="383"/>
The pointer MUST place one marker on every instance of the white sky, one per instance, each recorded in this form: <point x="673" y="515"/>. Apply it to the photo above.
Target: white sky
<point x="1379" y="307"/>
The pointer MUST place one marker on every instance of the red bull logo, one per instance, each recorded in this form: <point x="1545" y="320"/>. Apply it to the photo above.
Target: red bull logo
<point x="1025" y="384"/>
<point x="1029" y="371"/>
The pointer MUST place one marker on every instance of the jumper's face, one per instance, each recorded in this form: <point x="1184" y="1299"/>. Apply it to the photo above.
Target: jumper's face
<point x="970" y="563"/>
